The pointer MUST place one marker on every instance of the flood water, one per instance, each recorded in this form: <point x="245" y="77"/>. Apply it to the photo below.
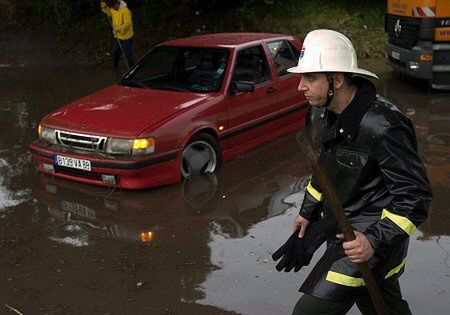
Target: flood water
<point x="200" y="247"/>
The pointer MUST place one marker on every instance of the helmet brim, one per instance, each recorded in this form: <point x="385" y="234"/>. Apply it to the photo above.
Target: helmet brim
<point x="354" y="71"/>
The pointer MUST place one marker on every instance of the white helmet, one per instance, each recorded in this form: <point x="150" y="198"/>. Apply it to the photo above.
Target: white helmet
<point x="328" y="51"/>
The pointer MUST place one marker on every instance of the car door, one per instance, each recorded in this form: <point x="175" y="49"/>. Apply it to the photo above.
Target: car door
<point x="249" y="114"/>
<point x="293" y="103"/>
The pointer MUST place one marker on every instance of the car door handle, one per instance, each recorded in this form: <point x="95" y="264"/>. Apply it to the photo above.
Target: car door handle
<point x="271" y="90"/>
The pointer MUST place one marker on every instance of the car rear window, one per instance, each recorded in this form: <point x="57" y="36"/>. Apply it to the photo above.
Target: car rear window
<point x="184" y="69"/>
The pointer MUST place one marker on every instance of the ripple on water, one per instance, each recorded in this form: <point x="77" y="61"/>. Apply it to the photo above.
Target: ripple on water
<point x="9" y="198"/>
<point x="74" y="241"/>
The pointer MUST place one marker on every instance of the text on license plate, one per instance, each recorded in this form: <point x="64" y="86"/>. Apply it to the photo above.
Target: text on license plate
<point x="395" y="55"/>
<point x="78" y="209"/>
<point x="73" y="162"/>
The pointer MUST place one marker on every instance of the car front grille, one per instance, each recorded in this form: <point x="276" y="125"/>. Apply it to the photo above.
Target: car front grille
<point x="81" y="141"/>
<point x="407" y="30"/>
<point x="78" y="173"/>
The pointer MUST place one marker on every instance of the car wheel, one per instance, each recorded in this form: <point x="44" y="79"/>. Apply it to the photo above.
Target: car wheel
<point x="201" y="155"/>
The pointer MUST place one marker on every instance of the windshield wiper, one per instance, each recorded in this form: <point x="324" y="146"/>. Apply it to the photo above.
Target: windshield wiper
<point x="204" y="88"/>
<point x="134" y="84"/>
<point x="174" y="88"/>
<point x="169" y="87"/>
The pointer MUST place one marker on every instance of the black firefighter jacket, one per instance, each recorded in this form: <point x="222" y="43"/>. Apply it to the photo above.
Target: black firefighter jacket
<point x="370" y="155"/>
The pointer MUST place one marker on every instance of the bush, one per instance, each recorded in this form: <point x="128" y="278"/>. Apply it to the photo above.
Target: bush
<point x="159" y="20"/>
<point x="61" y="13"/>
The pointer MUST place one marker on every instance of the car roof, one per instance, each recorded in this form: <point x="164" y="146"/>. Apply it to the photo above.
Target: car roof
<point x="224" y="39"/>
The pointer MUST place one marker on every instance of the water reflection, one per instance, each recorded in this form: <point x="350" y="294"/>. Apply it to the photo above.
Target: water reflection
<point x="205" y="241"/>
<point x="181" y="219"/>
<point x="234" y="199"/>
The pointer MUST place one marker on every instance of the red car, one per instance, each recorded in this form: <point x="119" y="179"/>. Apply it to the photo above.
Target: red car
<point x="187" y="106"/>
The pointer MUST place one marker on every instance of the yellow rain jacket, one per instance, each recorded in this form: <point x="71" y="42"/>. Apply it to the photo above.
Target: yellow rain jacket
<point x="121" y="20"/>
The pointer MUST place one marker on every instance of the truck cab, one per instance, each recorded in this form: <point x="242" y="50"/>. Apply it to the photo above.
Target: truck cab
<point x="419" y="39"/>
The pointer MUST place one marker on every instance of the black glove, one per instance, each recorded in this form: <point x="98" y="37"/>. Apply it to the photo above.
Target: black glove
<point x="287" y="251"/>
<point x="298" y="252"/>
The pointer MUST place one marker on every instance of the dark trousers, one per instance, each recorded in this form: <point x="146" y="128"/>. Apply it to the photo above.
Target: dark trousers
<point x="127" y="47"/>
<point x="309" y="305"/>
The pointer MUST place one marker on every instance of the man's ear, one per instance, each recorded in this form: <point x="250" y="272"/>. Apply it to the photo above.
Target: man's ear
<point x="338" y="80"/>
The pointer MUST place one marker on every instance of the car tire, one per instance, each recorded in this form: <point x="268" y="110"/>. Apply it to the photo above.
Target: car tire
<point x="202" y="154"/>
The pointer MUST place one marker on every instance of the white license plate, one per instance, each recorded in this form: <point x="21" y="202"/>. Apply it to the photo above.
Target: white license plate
<point x="73" y="162"/>
<point x="395" y="55"/>
<point x="78" y="209"/>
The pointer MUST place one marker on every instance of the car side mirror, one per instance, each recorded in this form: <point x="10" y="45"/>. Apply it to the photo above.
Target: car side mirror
<point x="242" y="86"/>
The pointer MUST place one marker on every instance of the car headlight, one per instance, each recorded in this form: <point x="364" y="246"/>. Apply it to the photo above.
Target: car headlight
<point x="47" y="134"/>
<point x="118" y="146"/>
<point x="130" y="146"/>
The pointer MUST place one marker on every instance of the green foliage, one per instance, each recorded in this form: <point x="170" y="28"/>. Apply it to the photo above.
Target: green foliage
<point x="159" y="20"/>
<point x="362" y="21"/>
<point x="61" y="13"/>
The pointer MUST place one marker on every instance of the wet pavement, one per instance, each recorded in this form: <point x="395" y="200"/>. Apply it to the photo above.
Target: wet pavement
<point x="200" y="247"/>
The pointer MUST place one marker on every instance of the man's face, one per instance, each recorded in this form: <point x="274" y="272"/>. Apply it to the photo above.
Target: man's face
<point x="315" y="87"/>
<point x="116" y="5"/>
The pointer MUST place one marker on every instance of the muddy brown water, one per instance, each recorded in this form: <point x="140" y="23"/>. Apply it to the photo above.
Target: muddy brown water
<point x="68" y="248"/>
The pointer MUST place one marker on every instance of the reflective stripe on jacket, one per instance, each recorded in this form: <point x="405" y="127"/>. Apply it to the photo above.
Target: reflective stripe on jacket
<point x="370" y="155"/>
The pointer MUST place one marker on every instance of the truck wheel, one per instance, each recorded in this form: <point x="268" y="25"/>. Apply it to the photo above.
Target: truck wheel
<point x="201" y="155"/>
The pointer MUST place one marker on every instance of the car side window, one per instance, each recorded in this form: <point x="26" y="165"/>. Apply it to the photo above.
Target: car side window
<point x="252" y="66"/>
<point x="282" y="56"/>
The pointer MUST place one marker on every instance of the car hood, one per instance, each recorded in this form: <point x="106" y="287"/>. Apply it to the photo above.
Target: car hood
<point x="121" y="111"/>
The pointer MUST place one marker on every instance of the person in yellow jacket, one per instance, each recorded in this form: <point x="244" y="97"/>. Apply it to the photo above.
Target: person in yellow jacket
<point x="122" y="24"/>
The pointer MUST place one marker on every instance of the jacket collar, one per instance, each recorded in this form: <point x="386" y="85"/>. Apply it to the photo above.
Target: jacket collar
<point x="347" y="123"/>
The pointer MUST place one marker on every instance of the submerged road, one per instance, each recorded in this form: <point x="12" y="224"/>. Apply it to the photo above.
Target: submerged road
<point x="200" y="247"/>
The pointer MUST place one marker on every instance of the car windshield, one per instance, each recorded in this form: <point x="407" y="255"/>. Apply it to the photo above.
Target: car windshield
<point x="183" y="69"/>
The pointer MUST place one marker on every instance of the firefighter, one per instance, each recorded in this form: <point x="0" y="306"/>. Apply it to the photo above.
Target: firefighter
<point x="369" y="152"/>
<point x="122" y="24"/>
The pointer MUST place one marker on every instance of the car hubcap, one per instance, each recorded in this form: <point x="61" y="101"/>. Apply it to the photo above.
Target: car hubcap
<point x="198" y="157"/>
